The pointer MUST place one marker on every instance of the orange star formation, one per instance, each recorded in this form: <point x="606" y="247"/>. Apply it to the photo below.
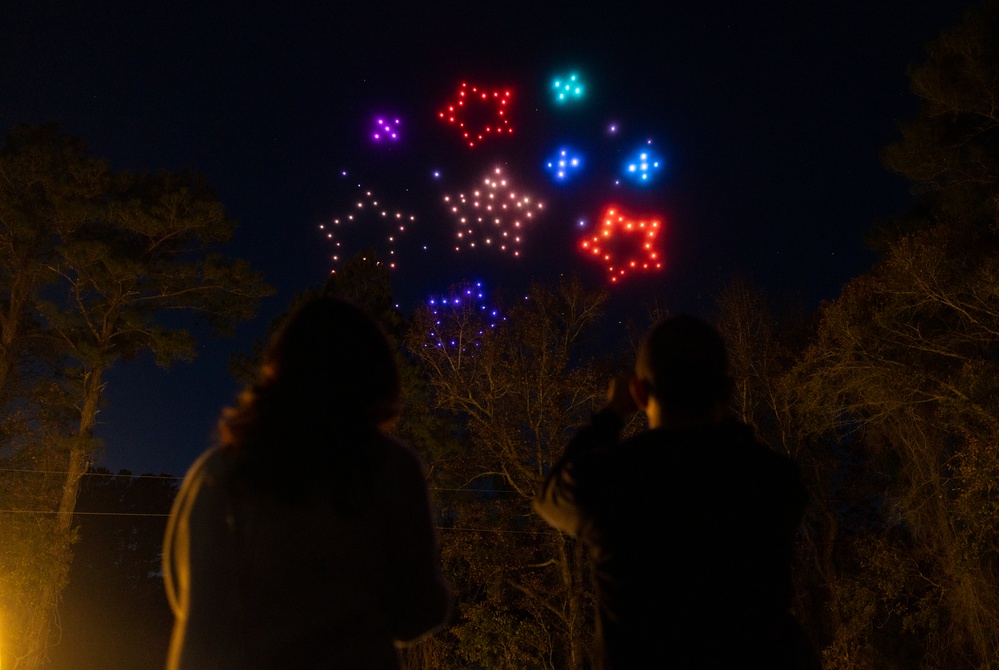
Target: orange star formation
<point x="625" y="244"/>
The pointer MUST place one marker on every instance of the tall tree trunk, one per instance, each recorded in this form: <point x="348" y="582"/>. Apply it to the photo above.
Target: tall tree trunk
<point x="43" y="612"/>
<point x="81" y="451"/>
<point x="570" y="554"/>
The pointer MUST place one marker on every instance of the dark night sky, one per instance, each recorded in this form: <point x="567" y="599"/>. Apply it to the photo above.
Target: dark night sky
<point x="770" y="117"/>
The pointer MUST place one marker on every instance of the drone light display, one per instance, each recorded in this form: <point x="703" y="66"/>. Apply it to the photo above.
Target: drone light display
<point x="479" y="113"/>
<point x="499" y="210"/>
<point x="643" y="166"/>
<point x="385" y="129"/>
<point x="568" y="89"/>
<point x="493" y="215"/>
<point x="564" y="165"/>
<point x="460" y="319"/>
<point x="624" y="244"/>
<point x="367" y="211"/>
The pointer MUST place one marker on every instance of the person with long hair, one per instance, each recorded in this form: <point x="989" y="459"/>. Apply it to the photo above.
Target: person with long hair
<point x="305" y="538"/>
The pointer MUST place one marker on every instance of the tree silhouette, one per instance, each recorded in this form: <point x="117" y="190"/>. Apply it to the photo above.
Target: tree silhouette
<point x="518" y="387"/>
<point x="95" y="261"/>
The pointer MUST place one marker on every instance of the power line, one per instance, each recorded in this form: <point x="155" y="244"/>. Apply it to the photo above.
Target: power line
<point x="171" y="477"/>
<point x="500" y="530"/>
<point x="140" y="514"/>
<point x="89" y="474"/>
<point x="38" y="511"/>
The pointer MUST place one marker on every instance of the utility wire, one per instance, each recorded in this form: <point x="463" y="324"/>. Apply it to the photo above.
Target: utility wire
<point x="450" y="528"/>
<point x="89" y="474"/>
<point x="31" y="511"/>
<point x="109" y="474"/>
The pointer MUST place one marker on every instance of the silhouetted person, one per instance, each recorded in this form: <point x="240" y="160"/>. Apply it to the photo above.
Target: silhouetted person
<point x="305" y="538"/>
<point x="690" y="525"/>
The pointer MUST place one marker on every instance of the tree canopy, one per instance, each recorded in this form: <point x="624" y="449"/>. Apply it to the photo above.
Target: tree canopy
<point x="93" y="264"/>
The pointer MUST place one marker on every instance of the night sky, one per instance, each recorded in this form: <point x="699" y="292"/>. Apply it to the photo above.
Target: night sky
<point x="768" y="119"/>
